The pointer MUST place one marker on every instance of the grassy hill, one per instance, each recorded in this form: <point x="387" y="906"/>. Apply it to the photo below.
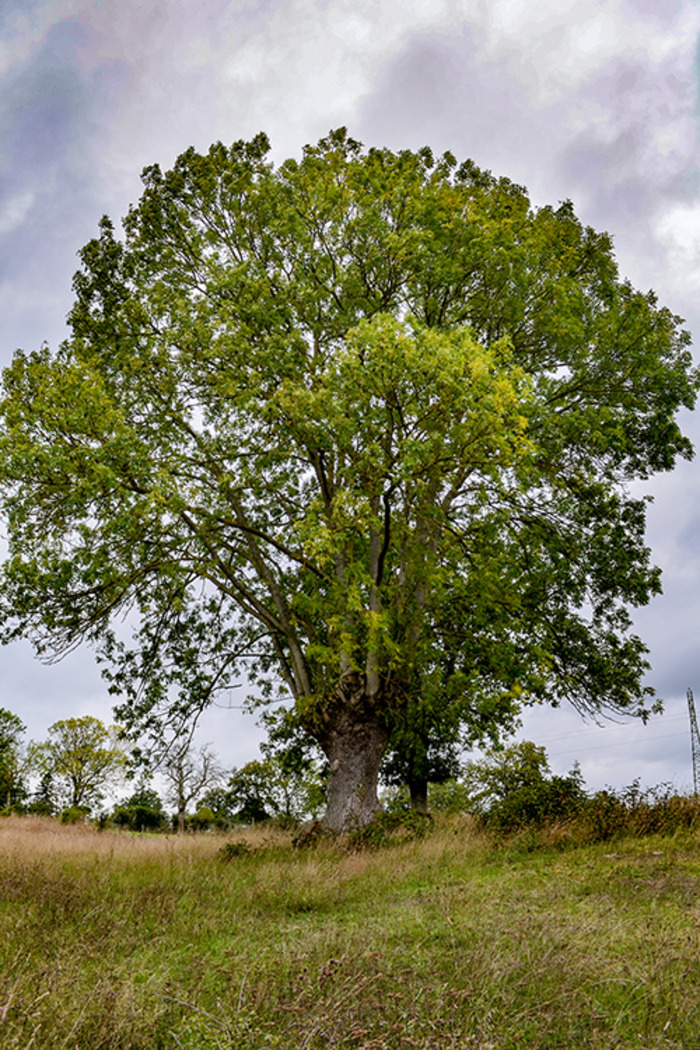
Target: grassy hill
<point x="455" y="940"/>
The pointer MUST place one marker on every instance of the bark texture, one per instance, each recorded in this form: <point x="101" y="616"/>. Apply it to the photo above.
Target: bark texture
<point x="355" y="746"/>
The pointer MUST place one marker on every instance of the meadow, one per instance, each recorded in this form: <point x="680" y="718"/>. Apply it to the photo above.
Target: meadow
<point x="455" y="940"/>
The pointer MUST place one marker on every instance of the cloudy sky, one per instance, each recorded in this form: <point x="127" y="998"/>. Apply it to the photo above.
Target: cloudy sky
<point x="592" y="100"/>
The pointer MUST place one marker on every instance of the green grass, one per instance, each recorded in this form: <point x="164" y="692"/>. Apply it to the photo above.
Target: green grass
<point x="453" y="941"/>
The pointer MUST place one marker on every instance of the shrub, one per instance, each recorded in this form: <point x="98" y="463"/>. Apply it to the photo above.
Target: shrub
<point x="232" y="850"/>
<point x="634" y="811"/>
<point x="605" y="816"/>
<point x="536" y="804"/>
<point x="202" y="820"/>
<point x="143" y="811"/>
<point x="139" y="818"/>
<point x="451" y="796"/>
<point x="74" y="815"/>
<point x="390" y="828"/>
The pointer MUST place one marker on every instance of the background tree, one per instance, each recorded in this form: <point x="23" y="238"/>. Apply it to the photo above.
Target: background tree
<point x="44" y="799"/>
<point x="269" y="787"/>
<point x="503" y="771"/>
<point x="514" y="786"/>
<point x="188" y="773"/>
<point x="81" y="761"/>
<point x="141" y="811"/>
<point x="366" y="421"/>
<point x="419" y="754"/>
<point x="13" y="789"/>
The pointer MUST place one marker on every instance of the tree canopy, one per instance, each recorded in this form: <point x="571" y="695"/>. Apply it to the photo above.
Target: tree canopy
<point x="362" y="426"/>
<point x="12" y="780"/>
<point x="81" y="759"/>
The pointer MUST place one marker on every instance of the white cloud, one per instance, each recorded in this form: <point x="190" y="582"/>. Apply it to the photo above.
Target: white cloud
<point x="678" y="231"/>
<point x="14" y="212"/>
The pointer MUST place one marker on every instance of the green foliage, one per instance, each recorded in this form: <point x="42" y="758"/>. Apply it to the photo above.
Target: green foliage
<point x="74" y="814"/>
<point x="275" y="788"/>
<point x="450" y="796"/>
<point x="361" y="426"/>
<point x="421" y="751"/>
<point x="513" y="788"/>
<point x="633" y="811"/>
<point x="233" y="850"/>
<point x="80" y="760"/>
<point x="502" y="771"/>
<point x="219" y="802"/>
<point x="43" y="800"/>
<point x="13" y="762"/>
<point x="142" y="811"/>
<point x="513" y="791"/>
<point x="552" y="799"/>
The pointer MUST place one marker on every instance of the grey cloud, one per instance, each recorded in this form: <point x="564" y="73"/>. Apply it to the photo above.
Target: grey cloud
<point x="614" y="753"/>
<point x="448" y="91"/>
<point x="614" y="161"/>
<point x="40" y="694"/>
<point x="439" y="91"/>
<point x="52" y="117"/>
<point x="12" y="9"/>
<point x="657" y="10"/>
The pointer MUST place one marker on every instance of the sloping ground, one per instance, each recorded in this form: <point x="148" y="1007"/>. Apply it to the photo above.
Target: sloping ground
<point x="112" y="940"/>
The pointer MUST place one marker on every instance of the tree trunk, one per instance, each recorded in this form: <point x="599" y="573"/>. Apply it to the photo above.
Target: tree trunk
<point x="418" y="786"/>
<point x="355" y="746"/>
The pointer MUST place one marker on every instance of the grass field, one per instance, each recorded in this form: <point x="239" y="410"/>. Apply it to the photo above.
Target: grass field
<point x="452" y="941"/>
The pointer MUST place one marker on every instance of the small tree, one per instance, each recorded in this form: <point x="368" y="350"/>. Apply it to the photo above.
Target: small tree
<point x="416" y="759"/>
<point x="81" y="760"/>
<point x="188" y="773"/>
<point x="514" y="787"/>
<point x="43" y="801"/>
<point x="269" y="787"/>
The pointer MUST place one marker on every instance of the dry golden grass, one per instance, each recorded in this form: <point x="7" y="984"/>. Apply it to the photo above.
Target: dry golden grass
<point x="43" y="837"/>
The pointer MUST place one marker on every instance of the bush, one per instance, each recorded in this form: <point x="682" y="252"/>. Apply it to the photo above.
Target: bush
<point x="390" y="828"/>
<point x="449" y="797"/>
<point x="233" y="850"/>
<point x="633" y="811"/>
<point x="536" y="804"/>
<point x="143" y="811"/>
<point x="74" y="815"/>
<point x="139" y="818"/>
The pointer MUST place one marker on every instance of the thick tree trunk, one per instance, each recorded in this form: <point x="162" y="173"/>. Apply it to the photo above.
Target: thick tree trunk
<point x="418" y="787"/>
<point x="355" y="746"/>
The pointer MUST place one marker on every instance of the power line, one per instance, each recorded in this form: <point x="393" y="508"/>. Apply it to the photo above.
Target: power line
<point x="619" y="743"/>
<point x="586" y="732"/>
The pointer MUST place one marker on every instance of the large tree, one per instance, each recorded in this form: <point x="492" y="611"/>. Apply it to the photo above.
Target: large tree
<point x="363" y="424"/>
